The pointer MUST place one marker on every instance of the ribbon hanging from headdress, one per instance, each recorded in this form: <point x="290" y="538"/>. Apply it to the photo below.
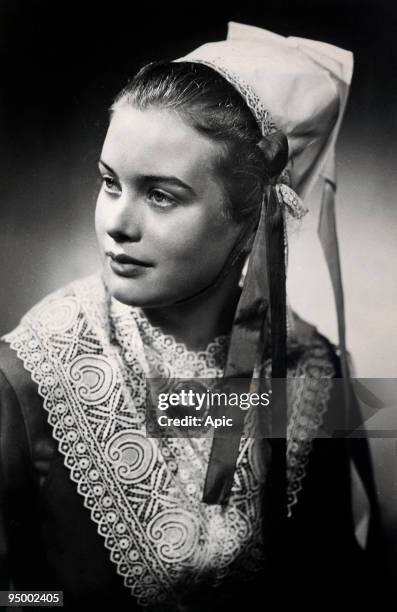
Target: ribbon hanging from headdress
<point x="264" y="291"/>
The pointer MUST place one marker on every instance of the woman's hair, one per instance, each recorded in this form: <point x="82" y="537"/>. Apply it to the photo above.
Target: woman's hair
<point x="210" y="104"/>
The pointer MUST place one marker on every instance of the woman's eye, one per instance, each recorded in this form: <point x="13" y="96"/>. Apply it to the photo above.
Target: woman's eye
<point x="110" y="184"/>
<point x="161" y="199"/>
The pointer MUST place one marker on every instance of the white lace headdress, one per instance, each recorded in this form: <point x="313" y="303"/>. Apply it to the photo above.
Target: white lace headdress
<point x="300" y="87"/>
<point x="294" y="84"/>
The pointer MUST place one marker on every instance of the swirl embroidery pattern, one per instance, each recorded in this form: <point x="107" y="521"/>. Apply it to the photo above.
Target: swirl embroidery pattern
<point x="89" y="359"/>
<point x="144" y="494"/>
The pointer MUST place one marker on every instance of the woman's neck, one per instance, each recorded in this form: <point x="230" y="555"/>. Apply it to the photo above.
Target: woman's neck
<point x="197" y="321"/>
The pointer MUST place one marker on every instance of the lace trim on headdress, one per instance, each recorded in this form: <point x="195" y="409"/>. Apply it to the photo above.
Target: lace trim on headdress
<point x="286" y="195"/>
<point x="253" y="101"/>
<point x="291" y="201"/>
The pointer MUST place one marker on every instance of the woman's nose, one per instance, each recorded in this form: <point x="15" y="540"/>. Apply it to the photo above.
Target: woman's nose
<point x="124" y="223"/>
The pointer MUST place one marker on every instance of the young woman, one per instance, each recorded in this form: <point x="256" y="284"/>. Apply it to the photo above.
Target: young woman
<point x="190" y="219"/>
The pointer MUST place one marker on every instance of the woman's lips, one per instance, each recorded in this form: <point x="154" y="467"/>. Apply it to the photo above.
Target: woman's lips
<point x="126" y="259"/>
<point x="124" y="265"/>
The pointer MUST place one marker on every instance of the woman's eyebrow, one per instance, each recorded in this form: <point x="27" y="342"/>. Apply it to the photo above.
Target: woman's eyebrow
<point x="155" y="178"/>
<point x="102" y="163"/>
<point x="172" y="180"/>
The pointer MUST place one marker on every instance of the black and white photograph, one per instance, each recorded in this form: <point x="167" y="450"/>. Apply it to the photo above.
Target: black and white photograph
<point x="198" y="362"/>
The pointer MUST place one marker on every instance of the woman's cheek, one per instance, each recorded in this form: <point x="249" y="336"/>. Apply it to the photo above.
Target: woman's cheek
<point x="196" y="245"/>
<point x="182" y="247"/>
<point x="99" y="220"/>
<point x="173" y="237"/>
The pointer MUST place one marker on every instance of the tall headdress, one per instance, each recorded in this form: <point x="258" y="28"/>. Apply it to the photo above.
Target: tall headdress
<point x="300" y="87"/>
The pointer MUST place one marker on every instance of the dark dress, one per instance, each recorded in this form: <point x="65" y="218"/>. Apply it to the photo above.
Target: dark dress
<point x="48" y="540"/>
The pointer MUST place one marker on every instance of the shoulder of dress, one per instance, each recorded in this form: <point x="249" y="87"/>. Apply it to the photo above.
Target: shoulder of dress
<point x="9" y="361"/>
<point x="312" y="368"/>
<point x="26" y="443"/>
<point x="89" y="286"/>
<point x="13" y="374"/>
<point x="306" y="343"/>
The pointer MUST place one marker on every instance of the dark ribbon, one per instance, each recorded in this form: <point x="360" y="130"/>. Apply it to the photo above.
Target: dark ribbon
<point x="264" y="288"/>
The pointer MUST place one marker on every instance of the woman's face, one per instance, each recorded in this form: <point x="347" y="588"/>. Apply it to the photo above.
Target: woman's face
<point x="160" y="214"/>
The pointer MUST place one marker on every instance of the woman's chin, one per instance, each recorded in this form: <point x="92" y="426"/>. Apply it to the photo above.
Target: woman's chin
<point x="133" y="292"/>
<point x="125" y="290"/>
<point x="149" y="291"/>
